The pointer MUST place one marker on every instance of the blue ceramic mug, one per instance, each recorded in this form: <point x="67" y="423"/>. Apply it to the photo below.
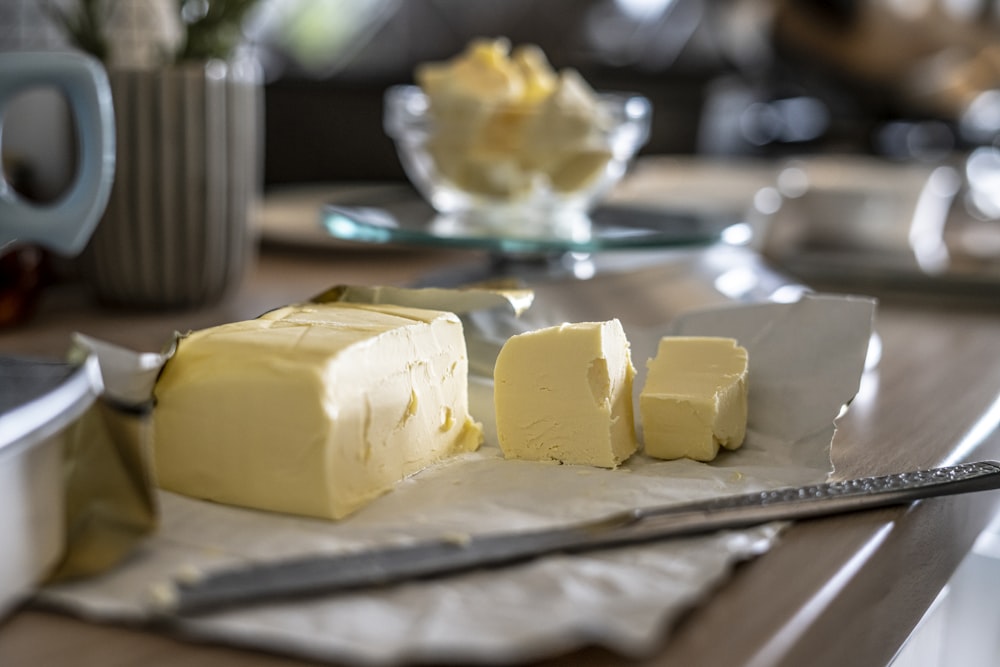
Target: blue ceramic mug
<point x="65" y="225"/>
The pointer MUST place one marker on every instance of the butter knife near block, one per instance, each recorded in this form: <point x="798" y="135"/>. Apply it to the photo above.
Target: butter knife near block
<point x="318" y="575"/>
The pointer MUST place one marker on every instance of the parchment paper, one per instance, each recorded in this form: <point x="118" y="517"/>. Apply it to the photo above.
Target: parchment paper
<point x="806" y="361"/>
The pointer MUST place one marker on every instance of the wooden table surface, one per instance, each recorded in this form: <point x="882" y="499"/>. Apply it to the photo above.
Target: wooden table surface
<point x="839" y="591"/>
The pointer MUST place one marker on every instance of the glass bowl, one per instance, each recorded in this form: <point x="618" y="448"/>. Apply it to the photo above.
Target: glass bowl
<point x="530" y="172"/>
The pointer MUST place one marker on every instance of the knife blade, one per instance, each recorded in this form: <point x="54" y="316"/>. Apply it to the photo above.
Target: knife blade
<point x="379" y="566"/>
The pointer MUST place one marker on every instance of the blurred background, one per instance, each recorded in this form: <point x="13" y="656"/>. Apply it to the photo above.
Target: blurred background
<point x="907" y="90"/>
<point x="903" y="79"/>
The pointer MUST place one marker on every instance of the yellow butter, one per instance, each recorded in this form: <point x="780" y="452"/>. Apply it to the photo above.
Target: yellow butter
<point x="565" y="124"/>
<point x="506" y="120"/>
<point x="314" y="409"/>
<point x="540" y="80"/>
<point x="695" y="398"/>
<point x="564" y="394"/>
<point x="482" y="74"/>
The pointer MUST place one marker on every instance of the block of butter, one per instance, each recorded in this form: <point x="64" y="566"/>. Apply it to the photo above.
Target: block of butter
<point x="312" y="409"/>
<point x="564" y="393"/>
<point x="695" y="398"/>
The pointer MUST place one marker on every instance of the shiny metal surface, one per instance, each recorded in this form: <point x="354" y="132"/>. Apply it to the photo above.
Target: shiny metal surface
<point x="39" y="400"/>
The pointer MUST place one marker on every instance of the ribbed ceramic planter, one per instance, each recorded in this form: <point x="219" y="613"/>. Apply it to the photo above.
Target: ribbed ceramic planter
<point x="178" y="230"/>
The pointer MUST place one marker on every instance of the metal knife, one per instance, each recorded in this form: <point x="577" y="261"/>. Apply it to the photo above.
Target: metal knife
<point x="313" y="575"/>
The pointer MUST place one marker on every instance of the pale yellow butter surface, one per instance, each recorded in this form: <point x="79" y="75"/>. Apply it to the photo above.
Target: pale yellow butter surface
<point x="564" y="393"/>
<point x="695" y="398"/>
<point x="313" y="409"/>
<point x="506" y="119"/>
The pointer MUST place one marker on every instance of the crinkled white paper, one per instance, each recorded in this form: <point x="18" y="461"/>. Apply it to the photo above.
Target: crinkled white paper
<point x="806" y="361"/>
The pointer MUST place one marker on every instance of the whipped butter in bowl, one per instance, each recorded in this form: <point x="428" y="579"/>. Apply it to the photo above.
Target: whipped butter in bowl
<point x="497" y="137"/>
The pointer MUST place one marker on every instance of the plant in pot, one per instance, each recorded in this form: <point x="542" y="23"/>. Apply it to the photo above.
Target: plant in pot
<point x="178" y="231"/>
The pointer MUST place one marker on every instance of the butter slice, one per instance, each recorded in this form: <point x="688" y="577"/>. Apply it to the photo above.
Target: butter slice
<point x="695" y="398"/>
<point x="313" y="409"/>
<point x="564" y="393"/>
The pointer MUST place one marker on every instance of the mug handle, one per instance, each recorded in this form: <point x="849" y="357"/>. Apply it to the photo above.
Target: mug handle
<point x="66" y="225"/>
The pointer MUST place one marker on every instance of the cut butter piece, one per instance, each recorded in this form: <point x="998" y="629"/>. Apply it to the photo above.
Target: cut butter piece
<point x="312" y="409"/>
<point x="564" y="394"/>
<point x="695" y="398"/>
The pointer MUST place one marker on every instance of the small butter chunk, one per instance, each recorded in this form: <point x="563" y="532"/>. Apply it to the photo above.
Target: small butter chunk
<point x="564" y="393"/>
<point x="695" y="398"/>
<point x="482" y="75"/>
<point x="314" y="409"/>
<point x="538" y="76"/>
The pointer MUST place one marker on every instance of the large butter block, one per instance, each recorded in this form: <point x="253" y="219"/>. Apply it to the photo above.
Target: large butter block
<point x="564" y="394"/>
<point x="695" y="398"/>
<point x="312" y="409"/>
